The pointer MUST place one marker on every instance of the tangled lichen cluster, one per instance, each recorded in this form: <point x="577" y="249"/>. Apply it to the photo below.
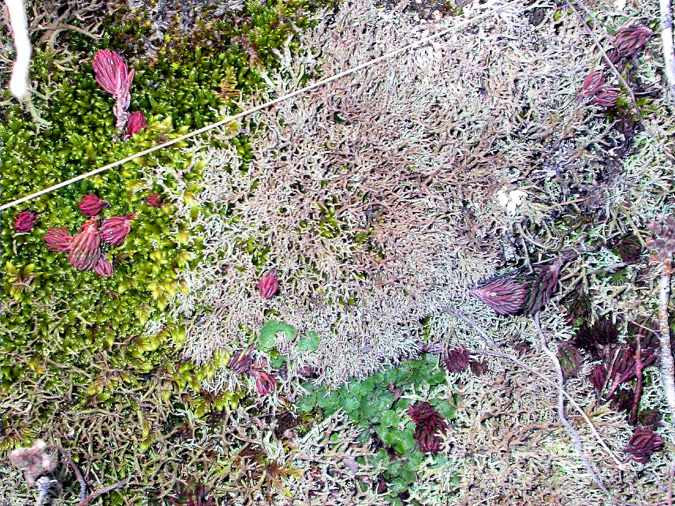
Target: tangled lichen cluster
<point x="261" y="337"/>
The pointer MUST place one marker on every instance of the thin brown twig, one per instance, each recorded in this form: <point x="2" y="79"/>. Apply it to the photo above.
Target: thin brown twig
<point x="638" y="387"/>
<point x="77" y="473"/>
<point x="571" y="431"/>
<point x="102" y="491"/>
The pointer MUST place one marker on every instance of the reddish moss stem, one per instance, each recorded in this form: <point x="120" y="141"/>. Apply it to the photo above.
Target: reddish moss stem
<point x="638" y="387"/>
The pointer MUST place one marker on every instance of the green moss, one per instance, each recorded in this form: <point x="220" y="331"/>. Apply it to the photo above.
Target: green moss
<point x="73" y="342"/>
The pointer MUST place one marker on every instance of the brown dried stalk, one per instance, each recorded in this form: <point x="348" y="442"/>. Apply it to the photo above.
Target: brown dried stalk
<point x="78" y="475"/>
<point x="638" y="387"/>
<point x="102" y="491"/>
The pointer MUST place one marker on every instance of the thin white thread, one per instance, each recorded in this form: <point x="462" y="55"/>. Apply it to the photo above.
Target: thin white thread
<point x="18" y="83"/>
<point x="317" y="84"/>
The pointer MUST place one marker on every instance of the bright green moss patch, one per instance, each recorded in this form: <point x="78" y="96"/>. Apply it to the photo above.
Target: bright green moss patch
<point x="77" y="345"/>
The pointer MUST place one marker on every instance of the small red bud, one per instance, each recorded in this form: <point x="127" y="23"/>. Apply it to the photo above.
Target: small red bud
<point x="154" y="200"/>
<point x="85" y="249"/>
<point x="58" y="239"/>
<point x="103" y="267"/>
<point x="115" y="229"/>
<point x="135" y="123"/>
<point x="25" y="221"/>
<point x="91" y="205"/>
<point x="268" y="285"/>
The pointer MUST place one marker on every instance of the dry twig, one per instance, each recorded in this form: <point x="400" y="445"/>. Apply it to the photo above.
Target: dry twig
<point x="574" y="435"/>
<point x="575" y="405"/>
<point x="102" y="491"/>
<point x="638" y="387"/>
<point x="77" y="473"/>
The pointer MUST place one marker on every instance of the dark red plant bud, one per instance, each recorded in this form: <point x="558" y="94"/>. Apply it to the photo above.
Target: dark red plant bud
<point x="85" y="249"/>
<point x="629" y="248"/>
<point x="456" y="360"/>
<point x="428" y="425"/>
<point x="504" y="294"/>
<point x="614" y="56"/>
<point x="650" y="418"/>
<point x="598" y="377"/>
<point x="241" y="362"/>
<point x="520" y="292"/>
<point x="570" y="359"/>
<point x="629" y="40"/>
<point x="592" y="83"/>
<point x="622" y="400"/>
<point x="25" y="221"/>
<point x="91" y="205"/>
<point x="103" y="267"/>
<point x="114" y="77"/>
<point x="58" y="239"/>
<point x="135" y="123"/>
<point x="644" y="443"/>
<point x="606" y="97"/>
<point x="154" y="200"/>
<point x="115" y="229"/>
<point x="543" y="282"/>
<point x="265" y="382"/>
<point x="479" y="367"/>
<point x="595" y="338"/>
<point x="623" y="366"/>
<point x="268" y="285"/>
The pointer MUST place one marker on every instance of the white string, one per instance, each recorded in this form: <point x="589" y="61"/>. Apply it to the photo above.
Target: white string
<point x="414" y="45"/>
<point x="18" y="83"/>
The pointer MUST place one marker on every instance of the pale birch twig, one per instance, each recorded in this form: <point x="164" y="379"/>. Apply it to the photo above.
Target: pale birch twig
<point x="571" y="431"/>
<point x="667" y="42"/>
<point x="667" y="365"/>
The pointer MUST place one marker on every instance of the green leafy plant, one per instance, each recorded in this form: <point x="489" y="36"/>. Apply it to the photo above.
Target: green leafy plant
<point x="379" y="404"/>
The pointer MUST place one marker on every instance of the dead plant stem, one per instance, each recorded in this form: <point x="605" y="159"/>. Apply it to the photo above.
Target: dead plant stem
<point x="102" y="491"/>
<point x="505" y="356"/>
<point x="571" y="431"/>
<point x="638" y="387"/>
